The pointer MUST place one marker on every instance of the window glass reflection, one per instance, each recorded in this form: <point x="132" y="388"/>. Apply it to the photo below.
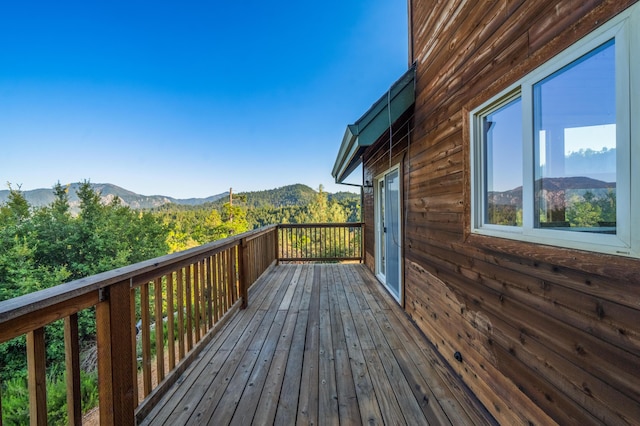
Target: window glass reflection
<point x="575" y="145"/>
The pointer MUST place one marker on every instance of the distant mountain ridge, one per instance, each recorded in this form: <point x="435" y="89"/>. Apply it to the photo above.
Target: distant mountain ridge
<point x="290" y="195"/>
<point x="43" y="197"/>
<point x="553" y="189"/>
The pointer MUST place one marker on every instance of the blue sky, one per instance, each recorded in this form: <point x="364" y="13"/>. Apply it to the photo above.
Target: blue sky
<point x="189" y="98"/>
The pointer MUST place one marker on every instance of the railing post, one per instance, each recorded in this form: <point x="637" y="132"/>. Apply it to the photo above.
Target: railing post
<point x="115" y="354"/>
<point x="72" y="357"/>
<point x="244" y="271"/>
<point x="276" y="244"/>
<point x="36" y="360"/>
<point x="362" y="248"/>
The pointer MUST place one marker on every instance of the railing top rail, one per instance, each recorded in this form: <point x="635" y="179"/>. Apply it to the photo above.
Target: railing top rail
<point x="322" y="225"/>
<point x="28" y="303"/>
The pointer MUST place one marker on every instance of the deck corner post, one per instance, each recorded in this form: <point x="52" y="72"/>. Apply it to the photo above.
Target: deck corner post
<point x="115" y="354"/>
<point x="276" y="249"/>
<point x="363" y="251"/>
<point x="36" y="366"/>
<point x="244" y="271"/>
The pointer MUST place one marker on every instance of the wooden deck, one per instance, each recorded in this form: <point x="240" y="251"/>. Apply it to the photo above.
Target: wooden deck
<point x="318" y="344"/>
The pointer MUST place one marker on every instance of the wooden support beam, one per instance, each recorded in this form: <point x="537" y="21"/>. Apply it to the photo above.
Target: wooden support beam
<point x="36" y="365"/>
<point x="115" y="354"/>
<point x="72" y="357"/>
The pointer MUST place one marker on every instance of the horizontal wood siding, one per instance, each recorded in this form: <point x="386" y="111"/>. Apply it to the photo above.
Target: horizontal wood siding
<point x="546" y="334"/>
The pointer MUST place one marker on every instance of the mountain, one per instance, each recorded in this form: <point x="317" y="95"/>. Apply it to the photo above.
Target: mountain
<point x="555" y="190"/>
<point x="44" y="197"/>
<point x="290" y="195"/>
<point x="285" y="196"/>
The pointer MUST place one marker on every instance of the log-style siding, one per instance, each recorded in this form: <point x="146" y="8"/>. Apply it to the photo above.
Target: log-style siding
<point x="546" y="334"/>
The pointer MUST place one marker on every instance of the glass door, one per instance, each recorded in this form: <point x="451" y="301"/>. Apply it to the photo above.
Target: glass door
<point x="389" y="232"/>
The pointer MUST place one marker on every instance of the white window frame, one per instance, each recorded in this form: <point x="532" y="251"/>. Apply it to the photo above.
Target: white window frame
<point x="625" y="28"/>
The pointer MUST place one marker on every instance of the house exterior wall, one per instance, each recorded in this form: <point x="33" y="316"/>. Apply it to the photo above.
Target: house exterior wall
<point x="546" y="334"/>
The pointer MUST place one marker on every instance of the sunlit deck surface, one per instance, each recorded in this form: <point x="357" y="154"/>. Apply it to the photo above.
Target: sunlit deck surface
<point x="318" y="344"/>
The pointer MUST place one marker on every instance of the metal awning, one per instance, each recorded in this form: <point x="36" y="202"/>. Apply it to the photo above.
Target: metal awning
<point x="377" y="120"/>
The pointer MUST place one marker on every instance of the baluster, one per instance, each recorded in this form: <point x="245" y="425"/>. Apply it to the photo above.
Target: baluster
<point x="196" y="300"/>
<point x="244" y="260"/>
<point x="216" y="286"/>
<point x="229" y="280"/>
<point x="134" y="346"/>
<point x="188" y="302"/>
<point x="223" y="282"/>
<point x="181" y="331"/>
<point x="234" y="269"/>
<point x="171" y="344"/>
<point x="203" y="297"/>
<point x="210" y="312"/>
<point x="157" y="287"/>
<point x="146" y="339"/>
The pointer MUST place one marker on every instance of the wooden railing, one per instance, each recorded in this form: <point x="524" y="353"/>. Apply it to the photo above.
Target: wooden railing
<point x="321" y="242"/>
<point x="188" y="294"/>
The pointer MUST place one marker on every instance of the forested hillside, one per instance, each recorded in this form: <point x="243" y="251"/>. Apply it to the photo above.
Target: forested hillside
<point x="190" y="226"/>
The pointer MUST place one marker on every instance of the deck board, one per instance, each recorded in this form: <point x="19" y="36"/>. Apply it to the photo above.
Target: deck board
<point x="318" y="344"/>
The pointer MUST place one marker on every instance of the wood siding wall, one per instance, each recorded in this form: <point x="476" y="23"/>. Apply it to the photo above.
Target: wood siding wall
<point x="546" y="334"/>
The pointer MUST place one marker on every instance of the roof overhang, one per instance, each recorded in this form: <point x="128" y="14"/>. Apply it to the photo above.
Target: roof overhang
<point x="377" y="120"/>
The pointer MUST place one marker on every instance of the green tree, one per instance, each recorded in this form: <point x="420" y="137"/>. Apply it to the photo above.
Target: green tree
<point x="321" y="210"/>
<point x="583" y="212"/>
<point x="234" y="221"/>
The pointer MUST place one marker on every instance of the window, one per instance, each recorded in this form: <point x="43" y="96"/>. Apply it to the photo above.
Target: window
<point x="502" y="133"/>
<point x="551" y="156"/>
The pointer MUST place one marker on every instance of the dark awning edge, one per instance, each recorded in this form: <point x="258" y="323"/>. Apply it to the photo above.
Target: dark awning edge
<point x="368" y="129"/>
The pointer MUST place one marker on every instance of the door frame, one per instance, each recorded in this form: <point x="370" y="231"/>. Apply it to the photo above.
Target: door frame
<point x="379" y="247"/>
